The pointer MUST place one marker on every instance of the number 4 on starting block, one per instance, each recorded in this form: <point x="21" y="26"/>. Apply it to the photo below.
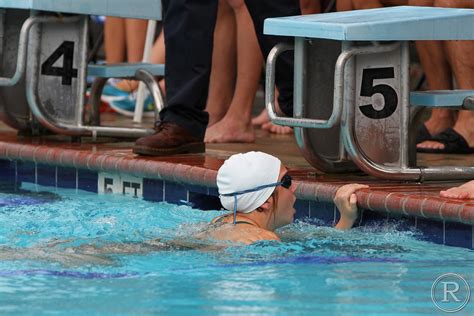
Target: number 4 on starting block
<point x="56" y="71"/>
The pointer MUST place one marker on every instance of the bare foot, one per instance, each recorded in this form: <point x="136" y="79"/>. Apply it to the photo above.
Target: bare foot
<point x="261" y="119"/>
<point x="132" y="85"/>
<point x="277" y="129"/>
<point x="230" y="130"/>
<point x="465" y="191"/>
<point x="430" y="144"/>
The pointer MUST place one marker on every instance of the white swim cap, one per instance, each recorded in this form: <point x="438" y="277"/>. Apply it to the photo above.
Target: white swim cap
<point x="244" y="172"/>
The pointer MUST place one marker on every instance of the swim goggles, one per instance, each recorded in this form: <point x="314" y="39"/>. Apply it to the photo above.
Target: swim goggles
<point x="285" y="182"/>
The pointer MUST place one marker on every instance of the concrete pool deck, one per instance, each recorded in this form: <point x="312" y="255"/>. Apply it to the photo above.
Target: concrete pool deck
<point x="390" y="197"/>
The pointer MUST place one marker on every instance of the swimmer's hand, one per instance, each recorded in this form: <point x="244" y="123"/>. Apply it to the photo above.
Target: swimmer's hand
<point x="346" y="201"/>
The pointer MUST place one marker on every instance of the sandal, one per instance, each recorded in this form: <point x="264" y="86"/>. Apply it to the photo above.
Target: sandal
<point x="423" y="134"/>
<point x="454" y="143"/>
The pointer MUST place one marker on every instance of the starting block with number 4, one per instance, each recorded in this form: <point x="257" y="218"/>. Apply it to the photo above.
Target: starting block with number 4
<point x="351" y="91"/>
<point x="43" y="63"/>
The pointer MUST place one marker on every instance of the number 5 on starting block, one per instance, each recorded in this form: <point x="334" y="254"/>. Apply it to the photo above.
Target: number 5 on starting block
<point x="378" y="91"/>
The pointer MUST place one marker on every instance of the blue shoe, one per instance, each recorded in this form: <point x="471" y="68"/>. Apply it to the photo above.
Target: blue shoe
<point x="126" y="106"/>
<point x="112" y="93"/>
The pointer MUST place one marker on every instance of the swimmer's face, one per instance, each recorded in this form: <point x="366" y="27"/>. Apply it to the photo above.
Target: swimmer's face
<point x="285" y="210"/>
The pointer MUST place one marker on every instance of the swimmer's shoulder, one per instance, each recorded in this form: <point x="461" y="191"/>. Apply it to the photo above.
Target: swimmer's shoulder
<point x="269" y="235"/>
<point x="246" y="234"/>
<point x="250" y="235"/>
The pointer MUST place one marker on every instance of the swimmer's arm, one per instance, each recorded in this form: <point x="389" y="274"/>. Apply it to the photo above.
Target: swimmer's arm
<point x="346" y="202"/>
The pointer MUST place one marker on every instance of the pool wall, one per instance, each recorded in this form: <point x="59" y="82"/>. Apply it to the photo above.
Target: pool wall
<point x="167" y="185"/>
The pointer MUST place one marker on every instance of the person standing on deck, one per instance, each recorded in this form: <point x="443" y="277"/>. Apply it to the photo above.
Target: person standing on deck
<point x="189" y="28"/>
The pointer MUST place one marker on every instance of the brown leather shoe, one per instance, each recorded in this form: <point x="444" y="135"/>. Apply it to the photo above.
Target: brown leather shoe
<point x="169" y="139"/>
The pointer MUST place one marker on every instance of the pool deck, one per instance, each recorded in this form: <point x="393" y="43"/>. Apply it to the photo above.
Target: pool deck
<point x="402" y="198"/>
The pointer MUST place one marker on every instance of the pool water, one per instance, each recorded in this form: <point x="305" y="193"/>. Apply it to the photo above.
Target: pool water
<point x="315" y="270"/>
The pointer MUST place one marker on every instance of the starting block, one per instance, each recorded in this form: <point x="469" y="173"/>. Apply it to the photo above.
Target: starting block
<point x="43" y="63"/>
<point x="457" y="99"/>
<point x="351" y="89"/>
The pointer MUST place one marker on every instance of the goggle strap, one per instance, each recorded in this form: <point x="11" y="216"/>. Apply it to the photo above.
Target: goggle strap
<point x="234" y="194"/>
<point x="254" y="189"/>
<point x="235" y="209"/>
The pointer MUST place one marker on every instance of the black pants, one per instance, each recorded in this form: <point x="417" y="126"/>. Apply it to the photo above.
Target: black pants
<point x="189" y="30"/>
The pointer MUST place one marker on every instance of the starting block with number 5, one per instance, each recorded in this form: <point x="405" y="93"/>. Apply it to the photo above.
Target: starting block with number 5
<point x="351" y="91"/>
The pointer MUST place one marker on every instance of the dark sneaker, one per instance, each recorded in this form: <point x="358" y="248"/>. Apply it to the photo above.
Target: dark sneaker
<point x="169" y="139"/>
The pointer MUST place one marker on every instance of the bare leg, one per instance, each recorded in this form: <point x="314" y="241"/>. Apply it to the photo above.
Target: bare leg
<point x="344" y="5"/>
<point x="310" y="6"/>
<point x="307" y="7"/>
<point x="158" y="50"/>
<point x="236" y="125"/>
<point x="438" y="75"/>
<point x="222" y="81"/>
<point x="135" y="34"/>
<point x="370" y="4"/>
<point x="366" y="4"/>
<point x="463" y="68"/>
<point x="465" y="191"/>
<point x="157" y="57"/>
<point x="114" y="40"/>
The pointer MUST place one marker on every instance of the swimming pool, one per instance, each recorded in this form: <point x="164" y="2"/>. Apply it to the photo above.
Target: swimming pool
<point x="315" y="270"/>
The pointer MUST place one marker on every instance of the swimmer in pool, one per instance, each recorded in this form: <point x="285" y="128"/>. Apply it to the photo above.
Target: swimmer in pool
<point x="254" y="186"/>
<point x="258" y="191"/>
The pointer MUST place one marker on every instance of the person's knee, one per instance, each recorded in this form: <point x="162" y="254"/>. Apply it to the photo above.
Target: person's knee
<point x="421" y="3"/>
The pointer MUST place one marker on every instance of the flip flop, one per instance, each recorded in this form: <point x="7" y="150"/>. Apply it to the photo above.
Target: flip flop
<point x="454" y="143"/>
<point x="423" y="134"/>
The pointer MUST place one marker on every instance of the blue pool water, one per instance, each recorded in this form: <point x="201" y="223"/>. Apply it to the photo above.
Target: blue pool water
<point x="315" y="270"/>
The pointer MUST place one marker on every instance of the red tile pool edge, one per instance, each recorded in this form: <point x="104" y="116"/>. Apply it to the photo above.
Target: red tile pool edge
<point x="406" y="202"/>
